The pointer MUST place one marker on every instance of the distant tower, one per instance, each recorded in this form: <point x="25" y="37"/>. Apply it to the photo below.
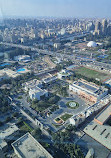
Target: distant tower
<point x="98" y="28"/>
<point x="1" y="16"/>
<point x="104" y="26"/>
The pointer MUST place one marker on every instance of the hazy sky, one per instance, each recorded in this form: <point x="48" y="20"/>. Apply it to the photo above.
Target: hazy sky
<point x="57" y="8"/>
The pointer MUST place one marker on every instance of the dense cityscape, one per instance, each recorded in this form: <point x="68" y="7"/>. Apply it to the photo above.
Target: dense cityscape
<point x="55" y="87"/>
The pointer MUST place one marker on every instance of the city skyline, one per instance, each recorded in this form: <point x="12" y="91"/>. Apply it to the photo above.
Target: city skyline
<point x="57" y="8"/>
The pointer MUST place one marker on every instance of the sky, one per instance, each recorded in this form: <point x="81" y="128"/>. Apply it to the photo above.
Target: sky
<point x="56" y="8"/>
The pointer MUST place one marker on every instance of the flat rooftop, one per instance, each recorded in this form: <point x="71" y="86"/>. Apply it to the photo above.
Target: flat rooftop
<point x="32" y="83"/>
<point x="87" y="85"/>
<point x="7" y="130"/>
<point x="103" y="115"/>
<point x="38" y="90"/>
<point x="49" y="79"/>
<point x="9" y="72"/>
<point x="101" y="133"/>
<point x="2" y="143"/>
<point x="27" y="147"/>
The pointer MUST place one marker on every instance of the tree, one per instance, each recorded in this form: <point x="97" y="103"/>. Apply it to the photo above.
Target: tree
<point x="35" y="101"/>
<point x="8" y="119"/>
<point x="1" y="123"/>
<point x="37" y="133"/>
<point x="15" y="114"/>
<point x="20" y="119"/>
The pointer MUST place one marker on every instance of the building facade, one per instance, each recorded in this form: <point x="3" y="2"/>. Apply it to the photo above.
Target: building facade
<point x="88" y="90"/>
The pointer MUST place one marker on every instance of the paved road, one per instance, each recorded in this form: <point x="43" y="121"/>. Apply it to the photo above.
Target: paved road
<point x="62" y="109"/>
<point x="40" y="51"/>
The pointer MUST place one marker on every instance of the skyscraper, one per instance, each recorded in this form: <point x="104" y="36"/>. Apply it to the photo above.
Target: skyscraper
<point x="98" y="27"/>
<point x="104" y="26"/>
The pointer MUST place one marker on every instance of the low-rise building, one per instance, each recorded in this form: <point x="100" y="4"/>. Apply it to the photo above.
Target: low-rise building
<point x="3" y="145"/>
<point x="24" y="58"/>
<point x="104" y="115"/>
<point x="81" y="117"/>
<point x="49" y="79"/>
<point x="8" y="131"/>
<point x="27" y="147"/>
<point x="99" y="129"/>
<point x="31" y="84"/>
<point x="37" y="93"/>
<point x="101" y="133"/>
<point x="33" y="87"/>
<point x="3" y="75"/>
<point x="76" y="120"/>
<point x="63" y="74"/>
<point x="8" y="73"/>
<point x="88" y="90"/>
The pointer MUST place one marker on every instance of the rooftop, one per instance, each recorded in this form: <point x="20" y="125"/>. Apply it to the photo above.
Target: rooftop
<point x="32" y="83"/>
<point x="101" y="133"/>
<point x="89" y="87"/>
<point x="102" y="117"/>
<point x="28" y="147"/>
<point x="9" y="72"/>
<point x="37" y="90"/>
<point x="7" y="130"/>
<point x="49" y="79"/>
<point x="2" y="143"/>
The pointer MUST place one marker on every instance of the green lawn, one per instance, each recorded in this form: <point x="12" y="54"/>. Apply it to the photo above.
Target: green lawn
<point x="66" y="117"/>
<point x="57" y="119"/>
<point x="20" y="97"/>
<point x="91" y="73"/>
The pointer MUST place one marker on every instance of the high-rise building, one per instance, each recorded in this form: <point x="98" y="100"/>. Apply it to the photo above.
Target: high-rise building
<point x="98" y="28"/>
<point x="104" y="26"/>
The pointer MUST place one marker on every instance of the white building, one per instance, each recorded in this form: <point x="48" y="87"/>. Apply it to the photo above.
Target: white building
<point x="62" y="31"/>
<point x="33" y="87"/>
<point x="37" y="93"/>
<point x="92" y="44"/>
<point x="63" y="74"/>
<point x="31" y="84"/>
<point x="24" y="58"/>
<point x="76" y="120"/>
<point x="57" y="45"/>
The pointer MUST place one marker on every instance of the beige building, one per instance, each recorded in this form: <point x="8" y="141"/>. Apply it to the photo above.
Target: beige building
<point x="88" y="90"/>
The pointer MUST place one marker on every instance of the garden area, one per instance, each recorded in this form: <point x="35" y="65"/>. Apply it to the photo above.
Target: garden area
<point x="72" y="104"/>
<point x="66" y="116"/>
<point x="25" y="127"/>
<point x="44" y="103"/>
